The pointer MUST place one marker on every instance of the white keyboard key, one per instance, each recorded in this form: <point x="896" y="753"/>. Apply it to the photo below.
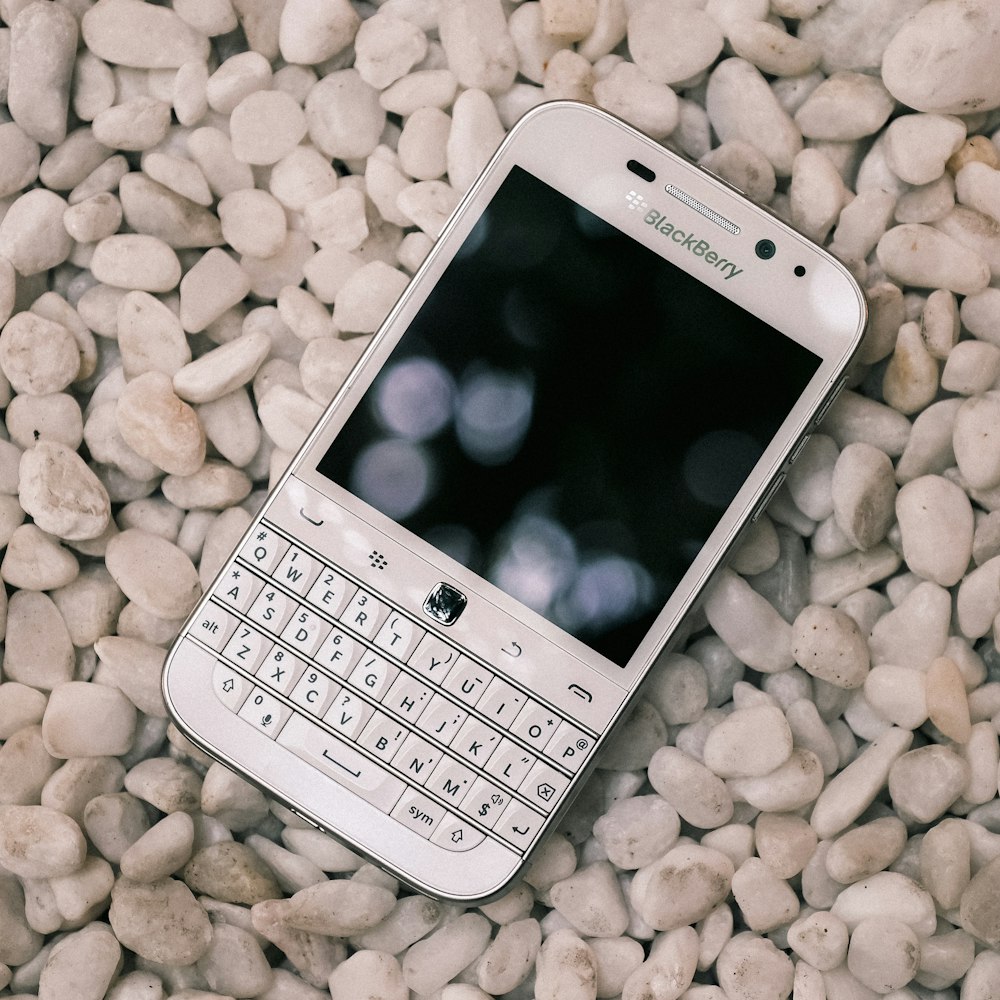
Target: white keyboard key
<point x="306" y="631"/>
<point x="418" y="813"/>
<point x="398" y="635"/>
<point x="331" y="592"/>
<point x="315" y="692"/>
<point x="231" y="687"/>
<point x="238" y="588"/>
<point x="416" y="758"/>
<point x="214" y="626"/>
<point x="451" y="780"/>
<point x="535" y="724"/>
<point x="468" y="681"/>
<point x="348" y="714"/>
<point x="569" y="747"/>
<point x="441" y="719"/>
<point x="519" y="825"/>
<point x="339" y="652"/>
<point x="364" y="614"/>
<point x="264" y="549"/>
<point x="382" y="736"/>
<point x="272" y="609"/>
<point x="509" y="764"/>
<point x="297" y="570"/>
<point x="501" y="703"/>
<point x="407" y="697"/>
<point x="342" y="763"/>
<point x="543" y="787"/>
<point x="485" y="802"/>
<point x="476" y="742"/>
<point x="247" y="648"/>
<point x="264" y="712"/>
<point x="455" y="834"/>
<point x="373" y="675"/>
<point x="280" y="670"/>
<point x="434" y="658"/>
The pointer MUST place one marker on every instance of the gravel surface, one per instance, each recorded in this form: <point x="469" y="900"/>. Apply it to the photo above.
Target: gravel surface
<point x="206" y="208"/>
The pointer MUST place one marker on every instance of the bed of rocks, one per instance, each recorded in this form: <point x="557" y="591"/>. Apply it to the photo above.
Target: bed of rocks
<point x="206" y="208"/>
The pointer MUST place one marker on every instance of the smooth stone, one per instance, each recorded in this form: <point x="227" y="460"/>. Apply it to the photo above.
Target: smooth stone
<point x="636" y="831"/>
<point x="854" y="417"/>
<point x="135" y="667"/>
<point x="134" y="125"/>
<point x="925" y="782"/>
<point x="343" y="116"/>
<point x="82" y="964"/>
<point x="565" y="968"/>
<point x="682" y="887"/>
<point x="975" y="441"/>
<point x="37" y="355"/>
<point x="790" y="786"/>
<point x="38" y="842"/>
<point x="749" y="742"/>
<point x="979" y="909"/>
<point x="509" y="958"/>
<point x="918" y="255"/>
<point x="32" y="234"/>
<point x="34" y="560"/>
<point x="136" y="261"/>
<point x="817" y="194"/>
<point x="265" y="126"/>
<point x="134" y="33"/>
<point x="154" y="573"/>
<point x="154" y="210"/>
<point x="947" y="703"/>
<point x="929" y="449"/>
<point x="234" y="801"/>
<point x="253" y="222"/>
<point x="696" y="793"/>
<point x="160" y="921"/>
<point x="387" y="48"/>
<point x="918" y="146"/>
<point x="742" y="106"/>
<point x="864" y="493"/>
<point x="766" y="900"/>
<point x="884" y="954"/>
<point x="94" y="218"/>
<point x="338" y="907"/>
<point x="849" y="793"/>
<point x="220" y="371"/>
<point x="372" y="972"/>
<point x="43" y="41"/>
<point x="897" y="694"/>
<point x="829" y="645"/>
<point x="698" y="41"/>
<point x="819" y="938"/>
<point x="238" y="76"/>
<point x="936" y="526"/>
<point x="887" y="894"/>
<point x="771" y="49"/>
<point x="477" y="45"/>
<point x="150" y="337"/>
<point x="166" y="784"/>
<point x="158" y="425"/>
<point x="61" y="493"/>
<point x="213" y="285"/>
<point x="972" y="368"/>
<point x="68" y="729"/>
<point x="311" y="33"/>
<point x="591" y="900"/>
<point x="234" y="964"/>
<point x="431" y="963"/>
<point x="752" y="968"/>
<point x="861" y="852"/>
<point x="809" y="479"/>
<point x="231" y="872"/>
<point x="38" y="651"/>
<point x="19" y="159"/>
<point x="941" y="59"/>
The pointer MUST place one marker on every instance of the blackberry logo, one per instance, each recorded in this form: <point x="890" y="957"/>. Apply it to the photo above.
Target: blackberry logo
<point x="636" y="201"/>
<point x="377" y="560"/>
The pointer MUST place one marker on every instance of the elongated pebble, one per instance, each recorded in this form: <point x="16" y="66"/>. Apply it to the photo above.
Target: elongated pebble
<point x="220" y="371"/>
<point x="160" y="921"/>
<point x="435" y="960"/>
<point x="564" y="969"/>
<point x="849" y="793"/>
<point x="132" y="33"/>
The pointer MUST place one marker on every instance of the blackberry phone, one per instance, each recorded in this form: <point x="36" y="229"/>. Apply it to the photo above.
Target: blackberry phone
<point x="593" y="383"/>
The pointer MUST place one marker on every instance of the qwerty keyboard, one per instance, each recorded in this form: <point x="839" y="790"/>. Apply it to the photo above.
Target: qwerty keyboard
<point x="359" y="688"/>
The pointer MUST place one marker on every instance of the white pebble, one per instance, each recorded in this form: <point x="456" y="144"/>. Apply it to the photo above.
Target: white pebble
<point x="475" y="133"/>
<point x="478" y="46"/>
<point x="38" y="842"/>
<point x="591" y="900"/>
<point x="311" y="33"/>
<point x="19" y="158"/>
<point x="343" y="116"/>
<point x="750" y="742"/>
<point x="265" y="126"/>
<point x="790" y="786"/>
<point x="68" y="729"/>
<point x="134" y="125"/>
<point x="925" y="782"/>
<point x="748" y="624"/>
<point x="366" y="297"/>
<point x="752" y="968"/>
<point x="849" y="793"/>
<point x="741" y="105"/>
<point x="628" y="92"/>
<point x="38" y="650"/>
<point x="387" y="48"/>
<point x="153" y="572"/>
<point x="917" y="146"/>
<point x="32" y="235"/>
<point x="682" y="887"/>
<point x="131" y="33"/>
<point x="845" y="106"/>
<point x="976" y="441"/>
<point x="253" y="222"/>
<point x="972" y="368"/>
<point x="884" y="954"/>
<point x="765" y="900"/>
<point x="936" y="525"/>
<point x="887" y="894"/>
<point x="698" y="41"/>
<point x="565" y="968"/>
<point x="220" y="371"/>
<point x="897" y="694"/>
<point x="919" y="255"/>
<point x="820" y="938"/>
<point x="438" y="958"/>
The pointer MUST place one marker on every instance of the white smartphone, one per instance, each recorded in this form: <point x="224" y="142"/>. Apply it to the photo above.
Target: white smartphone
<point x="594" y="382"/>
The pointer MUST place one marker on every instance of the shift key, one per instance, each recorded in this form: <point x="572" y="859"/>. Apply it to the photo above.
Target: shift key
<point x="342" y="763"/>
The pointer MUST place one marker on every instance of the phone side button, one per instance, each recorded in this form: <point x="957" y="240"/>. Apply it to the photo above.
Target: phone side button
<point x="341" y="762"/>
<point x="766" y="498"/>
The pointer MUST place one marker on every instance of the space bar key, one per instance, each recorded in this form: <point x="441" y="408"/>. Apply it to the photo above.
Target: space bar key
<point x="341" y="762"/>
